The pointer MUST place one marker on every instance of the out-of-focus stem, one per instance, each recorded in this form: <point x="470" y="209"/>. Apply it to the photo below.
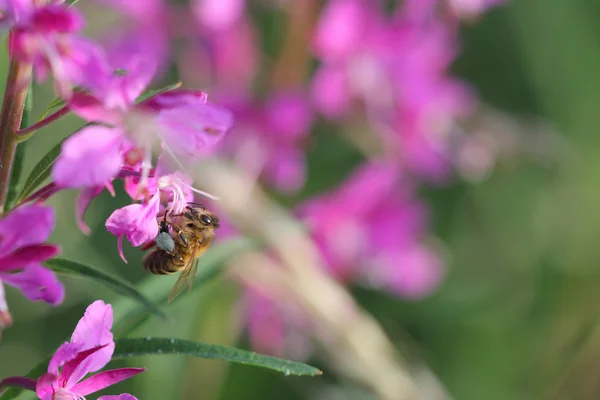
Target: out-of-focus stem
<point x="15" y="94"/>
<point x="293" y="63"/>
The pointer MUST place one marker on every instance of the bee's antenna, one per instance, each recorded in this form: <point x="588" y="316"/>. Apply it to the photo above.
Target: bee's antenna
<point x="196" y="204"/>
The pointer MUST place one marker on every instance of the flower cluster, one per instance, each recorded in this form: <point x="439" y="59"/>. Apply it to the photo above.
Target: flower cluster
<point x="122" y="133"/>
<point x="383" y="70"/>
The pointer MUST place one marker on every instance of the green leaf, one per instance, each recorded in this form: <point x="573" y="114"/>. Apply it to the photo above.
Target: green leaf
<point x="40" y="172"/>
<point x="117" y="284"/>
<point x="149" y="93"/>
<point x="129" y="315"/>
<point x="146" y="346"/>
<point x="17" y="167"/>
<point x="56" y="103"/>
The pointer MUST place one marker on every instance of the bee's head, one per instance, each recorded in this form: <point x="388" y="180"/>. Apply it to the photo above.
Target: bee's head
<point x="200" y="217"/>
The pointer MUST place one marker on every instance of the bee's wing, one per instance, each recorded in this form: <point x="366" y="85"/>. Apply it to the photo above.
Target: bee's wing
<point x="184" y="276"/>
<point x="189" y="271"/>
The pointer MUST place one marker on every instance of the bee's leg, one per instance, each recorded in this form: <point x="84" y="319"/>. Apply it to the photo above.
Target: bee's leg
<point x="180" y="235"/>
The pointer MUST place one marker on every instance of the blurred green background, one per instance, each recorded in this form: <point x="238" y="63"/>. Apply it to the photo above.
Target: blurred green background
<point x="517" y="317"/>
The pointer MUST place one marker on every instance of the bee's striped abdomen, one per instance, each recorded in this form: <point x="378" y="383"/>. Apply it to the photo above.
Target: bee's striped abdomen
<point x="160" y="262"/>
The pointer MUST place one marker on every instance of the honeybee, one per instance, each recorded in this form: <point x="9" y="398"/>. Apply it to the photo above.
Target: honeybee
<point x="191" y="234"/>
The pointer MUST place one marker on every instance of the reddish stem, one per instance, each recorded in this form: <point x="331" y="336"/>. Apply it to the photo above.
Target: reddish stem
<point x="49" y="119"/>
<point x="17" y="381"/>
<point x="17" y="84"/>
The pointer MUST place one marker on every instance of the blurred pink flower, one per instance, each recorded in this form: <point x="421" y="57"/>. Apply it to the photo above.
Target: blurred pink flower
<point x="371" y="229"/>
<point x="395" y="67"/>
<point x="46" y="35"/>
<point x="24" y="232"/>
<point x="90" y="349"/>
<point x="276" y="329"/>
<point x="269" y="138"/>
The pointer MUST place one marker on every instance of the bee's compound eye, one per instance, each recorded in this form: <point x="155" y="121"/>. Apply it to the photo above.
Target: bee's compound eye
<point x="205" y="219"/>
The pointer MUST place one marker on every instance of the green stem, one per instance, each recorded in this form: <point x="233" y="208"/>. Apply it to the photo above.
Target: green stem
<point x="15" y="94"/>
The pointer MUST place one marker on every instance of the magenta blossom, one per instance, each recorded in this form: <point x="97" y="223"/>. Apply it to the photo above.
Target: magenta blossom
<point x="90" y="349"/>
<point x="46" y="35"/>
<point x="184" y="122"/>
<point x="393" y="68"/>
<point x="23" y="233"/>
<point x="371" y="229"/>
<point x="138" y="222"/>
<point x="269" y="139"/>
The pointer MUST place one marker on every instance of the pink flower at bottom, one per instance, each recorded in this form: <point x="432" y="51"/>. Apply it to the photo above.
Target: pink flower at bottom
<point x="90" y="349"/>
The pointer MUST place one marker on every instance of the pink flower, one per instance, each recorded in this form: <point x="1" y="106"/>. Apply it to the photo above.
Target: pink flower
<point x="183" y="121"/>
<point x="370" y="229"/>
<point x="269" y="137"/>
<point x="46" y="36"/>
<point x="90" y="349"/>
<point x="138" y="222"/>
<point x="23" y="233"/>
<point x="396" y="71"/>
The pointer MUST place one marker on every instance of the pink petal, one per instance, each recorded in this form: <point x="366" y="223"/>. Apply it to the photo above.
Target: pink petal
<point x="411" y="273"/>
<point x="105" y="379"/>
<point x="136" y="221"/>
<point x="71" y="366"/>
<point x="92" y="109"/>
<point x="289" y="116"/>
<point x="43" y="387"/>
<point x="136" y="55"/>
<point x="124" y="396"/>
<point x="89" y="158"/>
<point x="83" y="201"/>
<point x="54" y="18"/>
<point x="218" y="14"/>
<point x="330" y="92"/>
<point x="94" y="330"/>
<point x="341" y="29"/>
<point x="65" y="353"/>
<point x="25" y="226"/>
<point x="37" y="283"/>
<point x="286" y="169"/>
<point x="120" y="249"/>
<point x="194" y="129"/>
<point x="26" y="255"/>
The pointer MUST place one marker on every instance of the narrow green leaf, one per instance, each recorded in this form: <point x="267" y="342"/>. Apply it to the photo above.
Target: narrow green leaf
<point x="149" y="93"/>
<point x="129" y="315"/>
<point x="146" y="346"/>
<point x="40" y="172"/>
<point x="117" y="284"/>
<point x="56" y="103"/>
<point x="17" y="166"/>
